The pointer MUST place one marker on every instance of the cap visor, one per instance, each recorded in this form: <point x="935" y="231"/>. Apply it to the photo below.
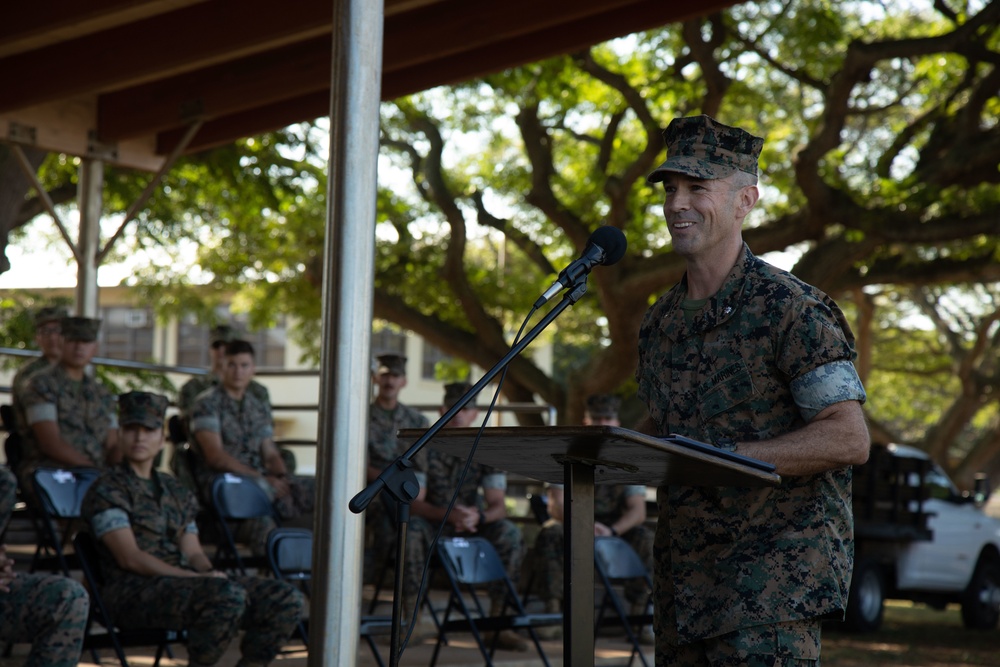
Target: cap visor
<point x="690" y="166"/>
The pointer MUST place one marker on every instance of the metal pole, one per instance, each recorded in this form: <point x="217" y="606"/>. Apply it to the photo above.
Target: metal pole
<point x="345" y="377"/>
<point x="90" y="194"/>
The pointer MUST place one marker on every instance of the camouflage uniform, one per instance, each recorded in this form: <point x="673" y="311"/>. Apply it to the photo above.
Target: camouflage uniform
<point x="244" y="426"/>
<point x="760" y="359"/>
<point x="84" y="411"/>
<point x="193" y="388"/>
<point x="443" y="472"/>
<point x="49" y="611"/>
<point x="158" y="511"/>
<point x="383" y="448"/>
<point x="8" y="497"/>
<point x="609" y="504"/>
<point x="19" y="385"/>
<point x="185" y="403"/>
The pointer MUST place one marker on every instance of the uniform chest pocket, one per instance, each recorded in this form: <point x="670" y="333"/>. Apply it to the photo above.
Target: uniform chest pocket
<point x="725" y="390"/>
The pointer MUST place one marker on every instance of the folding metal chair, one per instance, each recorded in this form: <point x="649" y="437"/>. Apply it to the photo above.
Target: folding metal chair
<point x="472" y="563"/>
<point x="289" y="553"/>
<point x="59" y="495"/>
<point x="237" y="498"/>
<point x="114" y="637"/>
<point x="616" y="562"/>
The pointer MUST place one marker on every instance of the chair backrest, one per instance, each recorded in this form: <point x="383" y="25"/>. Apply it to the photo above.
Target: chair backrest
<point x="85" y="546"/>
<point x="617" y="559"/>
<point x="239" y="497"/>
<point x="12" y="449"/>
<point x="61" y="492"/>
<point x="289" y="551"/>
<point x="7" y="417"/>
<point x="176" y="430"/>
<point x="471" y="560"/>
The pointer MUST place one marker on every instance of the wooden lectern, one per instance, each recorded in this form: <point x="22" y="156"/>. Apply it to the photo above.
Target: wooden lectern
<point x="580" y="457"/>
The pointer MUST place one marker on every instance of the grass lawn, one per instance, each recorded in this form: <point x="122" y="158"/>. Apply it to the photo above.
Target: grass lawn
<point x="915" y="636"/>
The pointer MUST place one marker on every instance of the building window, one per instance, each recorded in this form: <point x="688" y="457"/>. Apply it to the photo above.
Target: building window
<point x="127" y="333"/>
<point x="269" y="346"/>
<point x="192" y="343"/>
<point x="388" y="339"/>
<point x="432" y="356"/>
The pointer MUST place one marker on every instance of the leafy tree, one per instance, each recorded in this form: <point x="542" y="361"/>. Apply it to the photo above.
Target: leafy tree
<point x="880" y="181"/>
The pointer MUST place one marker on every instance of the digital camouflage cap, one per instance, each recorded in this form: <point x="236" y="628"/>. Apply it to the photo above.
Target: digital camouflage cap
<point x="455" y="391"/>
<point x="702" y="147"/>
<point x="50" y="314"/>
<point x="143" y="408"/>
<point x="394" y="364"/>
<point x="223" y="333"/>
<point x="80" y="328"/>
<point x="603" y="406"/>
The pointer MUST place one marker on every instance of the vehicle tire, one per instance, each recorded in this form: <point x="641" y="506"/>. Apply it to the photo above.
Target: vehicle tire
<point x="865" y="601"/>
<point x="981" y="599"/>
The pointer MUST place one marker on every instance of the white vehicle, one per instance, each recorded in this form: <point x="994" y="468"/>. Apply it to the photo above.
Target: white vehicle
<point x="918" y="538"/>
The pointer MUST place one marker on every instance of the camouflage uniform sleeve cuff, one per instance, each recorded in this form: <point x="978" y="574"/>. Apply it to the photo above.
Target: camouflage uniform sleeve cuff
<point x="41" y="412"/>
<point x="821" y="387"/>
<point x="109" y="520"/>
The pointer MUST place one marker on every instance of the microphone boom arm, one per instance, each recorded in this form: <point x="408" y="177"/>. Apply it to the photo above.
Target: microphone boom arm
<point x="396" y="477"/>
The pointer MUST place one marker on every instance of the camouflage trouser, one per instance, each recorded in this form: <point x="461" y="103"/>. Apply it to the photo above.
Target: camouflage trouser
<point x="792" y="644"/>
<point x="547" y="579"/>
<point x="212" y="609"/>
<point x="50" y="611"/>
<point x="297" y="507"/>
<point x="504" y="535"/>
<point x="8" y="496"/>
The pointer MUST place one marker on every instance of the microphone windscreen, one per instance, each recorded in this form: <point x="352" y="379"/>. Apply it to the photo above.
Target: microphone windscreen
<point x="612" y="241"/>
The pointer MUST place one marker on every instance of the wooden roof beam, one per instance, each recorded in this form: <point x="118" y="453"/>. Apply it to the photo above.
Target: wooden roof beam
<point x="258" y="80"/>
<point x="398" y="81"/>
<point x="33" y="25"/>
<point x="198" y="36"/>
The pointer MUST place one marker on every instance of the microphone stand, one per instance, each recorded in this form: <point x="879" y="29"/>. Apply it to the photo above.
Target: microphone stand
<point x="399" y="480"/>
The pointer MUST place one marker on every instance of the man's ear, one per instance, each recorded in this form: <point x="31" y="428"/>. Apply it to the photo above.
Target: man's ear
<point x="748" y="198"/>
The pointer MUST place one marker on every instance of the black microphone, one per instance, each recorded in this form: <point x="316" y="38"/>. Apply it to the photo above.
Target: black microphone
<point x="605" y="246"/>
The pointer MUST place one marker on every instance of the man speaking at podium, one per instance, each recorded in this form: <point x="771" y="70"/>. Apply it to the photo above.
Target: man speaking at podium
<point x="747" y="357"/>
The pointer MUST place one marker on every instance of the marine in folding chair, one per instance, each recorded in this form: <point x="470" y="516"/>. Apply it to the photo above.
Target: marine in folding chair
<point x="237" y="498"/>
<point x="58" y="496"/>
<point x="616" y="562"/>
<point x="471" y="564"/>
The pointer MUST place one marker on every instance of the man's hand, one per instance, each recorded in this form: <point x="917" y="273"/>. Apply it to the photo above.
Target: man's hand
<point x="279" y="484"/>
<point x="464" y="518"/>
<point x="600" y="530"/>
<point x="214" y="573"/>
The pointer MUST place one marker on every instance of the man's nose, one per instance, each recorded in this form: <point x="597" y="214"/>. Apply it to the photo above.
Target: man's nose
<point x="680" y="201"/>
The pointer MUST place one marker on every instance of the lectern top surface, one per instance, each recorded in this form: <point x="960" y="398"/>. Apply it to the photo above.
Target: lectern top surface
<point x="618" y="455"/>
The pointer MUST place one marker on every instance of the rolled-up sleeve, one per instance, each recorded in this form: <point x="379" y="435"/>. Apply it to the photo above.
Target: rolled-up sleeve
<point x="825" y="385"/>
<point x="41" y="412"/>
<point x="109" y="520"/>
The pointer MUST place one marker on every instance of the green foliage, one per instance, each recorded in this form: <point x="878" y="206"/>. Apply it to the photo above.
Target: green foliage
<point x="17" y="324"/>
<point x="879" y="171"/>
